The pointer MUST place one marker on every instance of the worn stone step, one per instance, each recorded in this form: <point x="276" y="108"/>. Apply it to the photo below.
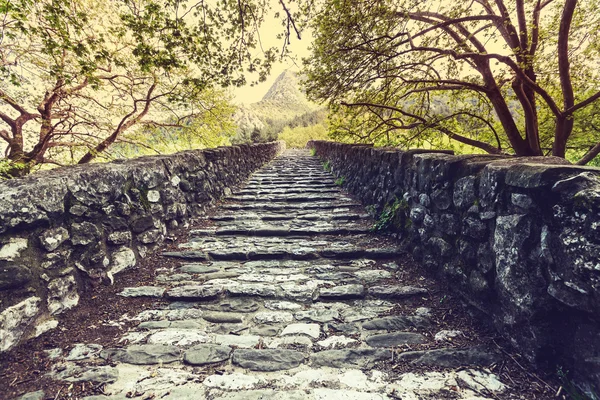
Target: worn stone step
<point x="339" y="215"/>
<point x="292" y="207"/>
<point x="265" y="248"/>
<point x="316" y="197"/>
<point x="283" y="229"/>
<point x="272" y="191"/>
<point x="301" y="253"/>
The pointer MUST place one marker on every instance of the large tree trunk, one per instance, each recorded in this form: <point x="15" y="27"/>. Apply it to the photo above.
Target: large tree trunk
<point x="564" y="127"/>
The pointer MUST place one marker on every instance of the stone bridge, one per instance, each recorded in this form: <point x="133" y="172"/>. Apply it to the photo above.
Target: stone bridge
<point x="134" y="279"/>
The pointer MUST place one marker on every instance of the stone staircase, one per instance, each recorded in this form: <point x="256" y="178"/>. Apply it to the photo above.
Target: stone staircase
<point x="287" y="295"/>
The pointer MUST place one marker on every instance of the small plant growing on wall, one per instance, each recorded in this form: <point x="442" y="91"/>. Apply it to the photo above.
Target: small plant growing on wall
<point x="392" y="216"/>
<point x="327" y="166"/>
<point x="340" y="181"/>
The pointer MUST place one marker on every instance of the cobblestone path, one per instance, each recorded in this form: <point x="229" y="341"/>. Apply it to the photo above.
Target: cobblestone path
<point x="288" y="296"/>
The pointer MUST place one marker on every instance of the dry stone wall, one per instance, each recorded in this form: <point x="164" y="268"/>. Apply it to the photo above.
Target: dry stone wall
<point x="519" y="238"/>
<point x="63" y="230"/>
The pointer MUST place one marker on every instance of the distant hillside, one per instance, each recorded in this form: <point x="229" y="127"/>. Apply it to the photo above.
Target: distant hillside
<point x="282" y="106"/>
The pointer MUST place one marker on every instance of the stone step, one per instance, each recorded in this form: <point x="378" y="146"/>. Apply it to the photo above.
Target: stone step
<point x="272" y="191"/>
<point x="299" y="198"/>
<point x="325" y="215"/>
<point x="290" y="207"/>
<point x="283" y="229"/>
<point x="292" y="181"/>
<point x="269" y="248"/>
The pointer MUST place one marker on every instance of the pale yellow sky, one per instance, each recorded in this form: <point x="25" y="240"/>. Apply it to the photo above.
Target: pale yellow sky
<point x="268" y="34"/>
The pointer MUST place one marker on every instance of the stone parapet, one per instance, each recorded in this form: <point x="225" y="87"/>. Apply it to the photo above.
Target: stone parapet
<point x="64" y="228"/>
<point x="518" y="238"/>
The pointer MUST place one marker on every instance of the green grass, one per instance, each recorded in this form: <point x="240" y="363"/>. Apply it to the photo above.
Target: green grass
<point x="340" y="181"/>
<point x="313" y="152"/>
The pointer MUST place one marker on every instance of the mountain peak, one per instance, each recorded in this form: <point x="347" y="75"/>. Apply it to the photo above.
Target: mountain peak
<point x="285" y="89"/>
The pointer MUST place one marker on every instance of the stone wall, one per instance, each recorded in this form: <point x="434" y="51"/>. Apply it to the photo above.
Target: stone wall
<point x="518" y="238"/>
<point x="64" y="229"/>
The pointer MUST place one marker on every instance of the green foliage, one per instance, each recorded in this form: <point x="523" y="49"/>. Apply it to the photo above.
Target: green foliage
<point x="327" y="166"/>
<point x="395" y="73"/>
<point x="313" y="151"/>
<point x="10" y="169"/>
<point x="78" y="76"/>
<point x="340" y="181"/>
<point x="203" y="131"/>
<point x="299" y="136"/>
<point x="389" y="216"/>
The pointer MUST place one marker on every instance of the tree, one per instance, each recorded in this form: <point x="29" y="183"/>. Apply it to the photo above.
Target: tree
<point x="78" y="74"/>
<point x="499" y="75"/>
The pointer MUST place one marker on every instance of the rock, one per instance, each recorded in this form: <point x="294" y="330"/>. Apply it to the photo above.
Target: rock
<point x="39" y="395"/>
<point x="12" y="249"/>
<point x="398" y="322"/>
<point x="270" y="317"/>
<point x="44" y="327"/>
<point x="480" y="381"/>
<point x="195" y="292"/>
<point x="177" y="337"/>
<point x="252" y="289"/>
<point x="267" y="359"/>
<point x="282" y="305"/>
<point x="396" y="292"/>
<point x="474" y="229"/>
<point x="222" y="317"/>
<point x="240" y="341"/>
<point x="464" y="192"/>
<point x="83" y="351"/>
<point x="153" y="196"/>
<point x="198" y="269"/>
<point x="143" y="291"/>
<point x="336" y="341"/>
<point x="53" y="238"/>
<point x="295" y="341"/>
<point x="348" y="329"/>
<point x="451" y="358"/>
<point x="84" y="233"/>
<point x="150" y="236"/>
<point x="373" y="275"/>
<point x="395" y="339"/>
<point x="54" y="353"/>
<point x="206" y="354"/>
<point x="265" y="330"/>
<point x="96" y="374"/>
<point x="13" y="276"/>
<point x="446" y="335"/>
<point x="233" y="382"/>
<point x="141" y="224"/>
<point x="521" y="200"/>
<point x="342" y="292"/>
<point x="350" y="358"/>
<point x="240" y="305"/>
<point x="122" y="237"/>
<point x="147" y="354"/>
<point x="122" y="259"/>
<point x="318" y="315"/>
<point x="300" y="292"/>
<point x="62" y="294"/>
<point x="312" y="330"/>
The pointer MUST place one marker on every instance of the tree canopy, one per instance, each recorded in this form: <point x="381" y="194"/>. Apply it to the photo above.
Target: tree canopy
<point x="78" y="74"/>
<point x="504" y="76"/>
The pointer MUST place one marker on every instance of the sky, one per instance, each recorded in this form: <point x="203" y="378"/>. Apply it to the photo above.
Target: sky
<point x="268" y="33"/>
